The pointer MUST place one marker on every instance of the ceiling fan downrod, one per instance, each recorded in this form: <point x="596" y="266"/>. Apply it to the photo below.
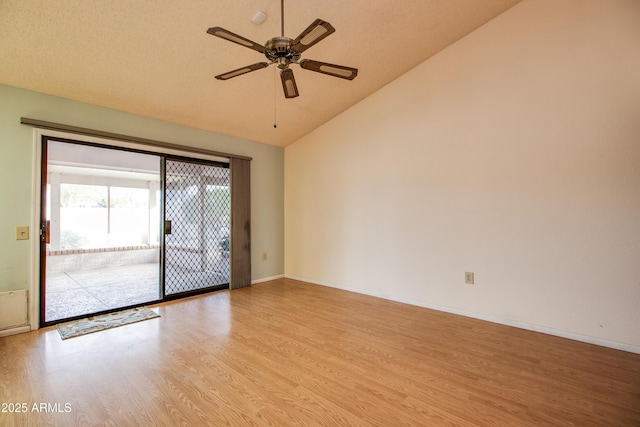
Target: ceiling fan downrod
<point x="282" y="18"/>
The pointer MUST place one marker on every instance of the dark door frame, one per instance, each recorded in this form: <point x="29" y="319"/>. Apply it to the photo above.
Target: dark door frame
<point x="44" y="231"/>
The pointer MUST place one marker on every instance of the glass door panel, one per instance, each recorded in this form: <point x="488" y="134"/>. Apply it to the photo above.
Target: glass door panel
<point x="101" y="248"/>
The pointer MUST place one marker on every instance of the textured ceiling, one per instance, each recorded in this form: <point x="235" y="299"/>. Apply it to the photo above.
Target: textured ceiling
<point x="154" y="58"/>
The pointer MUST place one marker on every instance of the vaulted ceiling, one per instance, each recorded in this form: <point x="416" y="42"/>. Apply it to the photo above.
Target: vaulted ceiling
<point x="154" y="57"/>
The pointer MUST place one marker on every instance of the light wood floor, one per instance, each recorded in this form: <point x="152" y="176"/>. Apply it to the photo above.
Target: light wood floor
<point x="289" y="353"/>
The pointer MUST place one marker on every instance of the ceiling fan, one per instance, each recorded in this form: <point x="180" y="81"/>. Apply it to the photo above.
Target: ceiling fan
<point x="284" y="51"/>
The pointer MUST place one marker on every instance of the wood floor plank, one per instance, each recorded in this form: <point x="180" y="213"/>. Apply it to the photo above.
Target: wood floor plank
<point x="290" y="353"/>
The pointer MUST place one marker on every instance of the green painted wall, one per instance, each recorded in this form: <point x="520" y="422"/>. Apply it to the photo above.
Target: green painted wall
<point x="16" y="174"/>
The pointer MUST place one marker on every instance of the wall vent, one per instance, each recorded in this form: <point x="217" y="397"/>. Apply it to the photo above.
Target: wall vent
<point x="13" y="309"/>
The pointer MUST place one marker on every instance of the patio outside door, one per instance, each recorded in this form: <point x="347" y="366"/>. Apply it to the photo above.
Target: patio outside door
<point x="103" y="244"/>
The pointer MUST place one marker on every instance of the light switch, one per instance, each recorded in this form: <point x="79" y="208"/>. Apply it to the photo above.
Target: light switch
<point x="22" y="233"/>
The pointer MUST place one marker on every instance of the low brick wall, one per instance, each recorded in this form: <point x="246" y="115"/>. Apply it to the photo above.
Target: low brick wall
<point x="86" y="259"/>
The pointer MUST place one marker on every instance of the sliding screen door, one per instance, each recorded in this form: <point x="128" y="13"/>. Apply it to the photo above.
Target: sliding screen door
<point x="197" y="226"/>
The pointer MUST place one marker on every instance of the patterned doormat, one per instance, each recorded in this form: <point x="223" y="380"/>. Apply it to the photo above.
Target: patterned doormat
<point x="104" y="321"/>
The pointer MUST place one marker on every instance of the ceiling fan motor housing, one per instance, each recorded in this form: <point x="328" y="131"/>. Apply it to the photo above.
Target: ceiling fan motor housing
<point x="279" y="51"/>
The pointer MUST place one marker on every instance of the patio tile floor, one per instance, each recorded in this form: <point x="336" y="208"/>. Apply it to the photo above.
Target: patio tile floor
<point x="75" y="293"/>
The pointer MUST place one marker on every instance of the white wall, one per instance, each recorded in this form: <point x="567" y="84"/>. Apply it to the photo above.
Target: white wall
<point x="16" y="173"/>
<point x="514" y="153"/>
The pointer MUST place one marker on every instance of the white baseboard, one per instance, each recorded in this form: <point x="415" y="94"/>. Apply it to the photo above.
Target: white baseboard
<point x="14" y="331"/>
<point x="507" y="322"/>
<point x="267" y="279"/>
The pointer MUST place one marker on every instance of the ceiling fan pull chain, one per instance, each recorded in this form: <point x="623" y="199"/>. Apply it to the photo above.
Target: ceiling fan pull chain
<point x="275" y="101"/>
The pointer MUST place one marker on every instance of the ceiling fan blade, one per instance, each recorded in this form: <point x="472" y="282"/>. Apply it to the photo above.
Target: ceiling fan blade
<point x="330" y="69"/>
<point x="315" y="32"/>
<point x="289" y="83"/>
<point x="241" y="71"/>
<point x="232" y="37"/>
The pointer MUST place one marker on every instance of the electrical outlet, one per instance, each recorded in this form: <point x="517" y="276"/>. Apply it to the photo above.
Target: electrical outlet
<point x="469" y="278"/>
<point x="22" y="233"/>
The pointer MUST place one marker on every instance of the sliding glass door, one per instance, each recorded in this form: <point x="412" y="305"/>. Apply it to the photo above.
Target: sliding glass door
<point x="121" y="228"/>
